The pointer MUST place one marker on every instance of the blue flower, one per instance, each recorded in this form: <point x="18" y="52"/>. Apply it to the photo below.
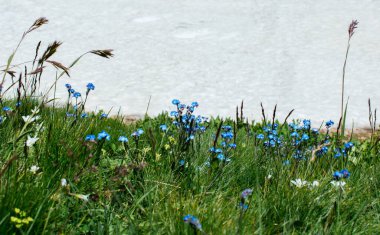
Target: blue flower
<point x="18" y="104"/>
<point x="329" y="123"/>
<point x="84" y="115"/>
<point x="193" y="221"/>
<point x="90" y="86"/>
<point x="260" y="136"/>
<point x="68" y="86"/>
<point x="123" y="139"/>
<point x="315" y="131"/>
<point x="77" y="95"/>
<point x="243" y="206"/>
<point x="71" y="90"/>
<point x="337" y="175"/>
<point x="305" y="137"/>
<point x="90" y="138"/>
<point x="6" y="109"/>
<point x="194" y="104"/>
<point x="103" y="115"/>
<point x="181" y="162"/>
<point x="137" y="133"/>
<point x="104" y="135"/>
<point x="294" y="134"/>
<point x="174" y="113"/>
<point x="221" y="157"/>
<point x="175" y="102"/>
<point x="163" y="127"/>
<point x="348" y="145"/>
<point x="246" y="192"/>
<point x="70" y="114"/>
<point x="286" y="163"/>
<point x="306" y="124"/>
<point x="345" y="173"/>
<point x="227" y="135"/>
<point x="227" y="128"/>
<point x="233" y="146"/>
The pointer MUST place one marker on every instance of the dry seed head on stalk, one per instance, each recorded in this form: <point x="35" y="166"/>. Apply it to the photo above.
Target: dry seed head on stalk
<point x="352" y="27"/>
<point x="50" y="50"/>
<point x="103" y="53"/>
<point x="38" y="23"/>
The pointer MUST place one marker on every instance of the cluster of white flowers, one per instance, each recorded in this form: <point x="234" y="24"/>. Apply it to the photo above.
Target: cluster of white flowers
<point x="299" y="183"/>
<point x="39" y="126"/>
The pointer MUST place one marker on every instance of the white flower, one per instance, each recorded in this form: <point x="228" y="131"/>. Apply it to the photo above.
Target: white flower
<point x="29" y="119"/>
<point x="63" y="182"/>
<point x="31" y="141"/>
<point x="314" y="184"/>
<point x="299" y="183"/>
<point x="338" y="183"/>
<point x="269" y="177"/>
<point x="35" y="110"/>
<point x="34" y="169"/>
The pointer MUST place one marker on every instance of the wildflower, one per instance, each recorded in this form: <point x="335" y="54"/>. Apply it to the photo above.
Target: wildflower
<point x="269" y="177"/>
<point x="90" y="138"/>
<point x="346" y="174"/>
<point x="329" y="123"/>
<point x="338" y="183"/>
<point x="174" y="113"/>
<point x="84" y="115"/>
<point x="315" y="131"/>
<point x="348" y="145"/>
<point x="29" y="119"/>
<point x="306" y="124"/>
<point x="31" y="141"/>
<point x="90" y="86"/>
<point x="103" y="135"/>
<point x="7" y="109"/>
<point x="123" y="139"/>
<point x="163" y="127"/>
<point x="70" y="114"/>
<point x="167" y="146"/>
<point x="260" y="136"/>
<point x="103" y="115"/>
<point x="299" y="183"/>
<point x="194" y="104"/>
<point x="137" y="133"/>
<point x="63" y="182"/>
<point x="72" y="91"/>
<point x="68" y="86"/>
<point x="193" y="221"/>
<point x="314" y="184"/>
<point x="175" y="102"/>
<point x="34" y="169"/>
<point x="233" y="146"/>
<point x="77" y="95"/>
<point x="181" y="162"/>
<point x="304" y="137"/>
<point x="18" y="103"/>
<point x="243" y="206"/>
<point x="286" y="163"/>
<point x="246" y="192"/>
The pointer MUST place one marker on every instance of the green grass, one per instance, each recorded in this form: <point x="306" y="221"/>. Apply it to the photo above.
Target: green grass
<point x="143" y="189"/>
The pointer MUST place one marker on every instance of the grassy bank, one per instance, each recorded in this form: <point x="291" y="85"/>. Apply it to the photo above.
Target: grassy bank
<point x="65" y="170"/>
<point x="70" y="182"/>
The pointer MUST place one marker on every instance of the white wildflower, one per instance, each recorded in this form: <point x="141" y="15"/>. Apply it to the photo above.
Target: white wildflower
<point x="269" y="177"/>
<point x="31" y="141"/>
<point x="34" y="169"/>
<point x="299" y="183"/>
<point x="63" y="182"/>
<point x="29" y="119"/>
<point x="338" y="183"/>
<point x="35" y="110"/>
<point x="314" y="184"/>
<point x="81" y="196"/>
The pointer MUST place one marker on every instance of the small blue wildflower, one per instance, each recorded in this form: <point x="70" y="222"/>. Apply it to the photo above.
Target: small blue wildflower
<point x="233" y="146"/>
<point x="329" y="123"/>
<point x="337" y="175"/>
<point x="193" y="221"/>
<point x="181" y="106"/>
<point x="260" y="136"/>
<point x="84" y="115"/>
<point x="163" y="127"/>
<point x="221" y="157"/>
<point x="77" y="95"/>
<point x="243" y="206"/>
<point x="315" y="131"/>
<point x="338" y="153"/>
<point x="175" y="102"/>
<point x="181" y="162"/>
<point x="103" y="115"/>
<point x="305" y="137"/>
<point x="348" y="145"/>
<point x="70" y="114"/>
<point x="194" y="104"/>
<point x="18" y="103"/>
<point x="90" y="86"/>
<point x="286" y="163"/>
<point x="306" y="124"/>
<point x="71" y="90"/>
<point x="174" y="113"/>
<point x="123" y="139"/>
<point x="227" y="128"/>
<point x="68" y="86"/>
<point x="6" y="109"/>
<point x="227" y="135"/>
<point x="103" y="135"/>
<point x="90" y="138"/>
<point x="137" y="133"/>
<point x="294" y="134"/>
<point x="246" y="192"/>
<point x="346" y="174"/>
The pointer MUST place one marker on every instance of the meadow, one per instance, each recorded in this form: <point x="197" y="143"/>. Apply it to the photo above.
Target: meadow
<point x="68" y="170"/>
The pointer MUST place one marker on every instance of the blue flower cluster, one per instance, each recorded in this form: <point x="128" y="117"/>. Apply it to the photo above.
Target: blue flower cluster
<point x="343" y="174"/>
<point x="186" y="120"/>
<point x="243" y="198"/>
<point x="339" y="152"/>
<point x="193" y="221"/>
<point x="227" y="144"/>
<point x="270" y="136"/>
